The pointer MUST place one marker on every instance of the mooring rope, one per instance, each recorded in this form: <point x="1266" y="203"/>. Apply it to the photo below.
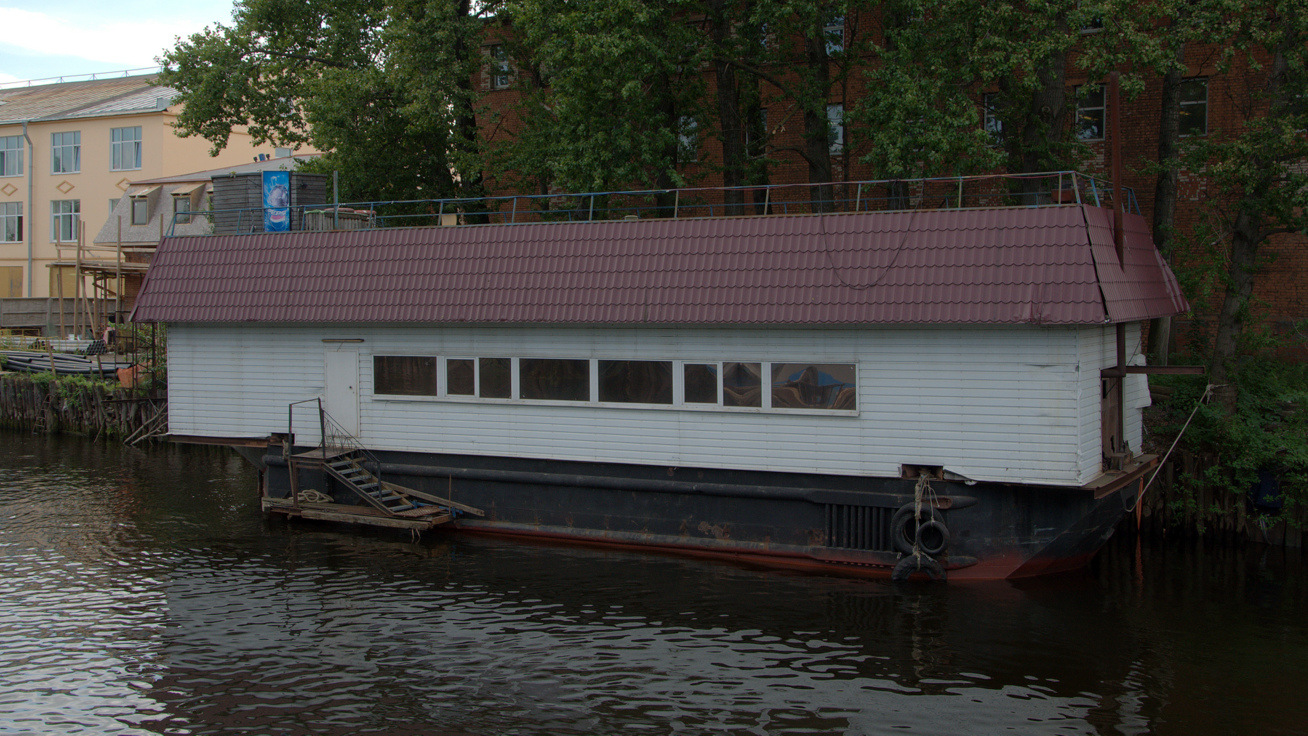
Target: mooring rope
<point x="1139" y="497"/>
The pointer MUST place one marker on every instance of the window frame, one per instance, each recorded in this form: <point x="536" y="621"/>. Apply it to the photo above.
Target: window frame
<point x="1086" y="111"/>
<point x="1203" y="105"/>
<point x="836" y="128"/>
<point x="143" y="204"/>
<point x="11" y="221"/>
<point x="11" y="156"/>
<point x="73" y="217"/>
<point x="118" y="145"/>
<point x="60" y="142"/>
<point x="593" y="389"/>
<point x="500" y="69"/>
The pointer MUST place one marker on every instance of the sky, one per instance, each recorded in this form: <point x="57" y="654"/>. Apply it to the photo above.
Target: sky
<point x="43" y="39"/>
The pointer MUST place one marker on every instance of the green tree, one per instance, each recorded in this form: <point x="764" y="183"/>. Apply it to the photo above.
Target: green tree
<point x="1254" y="168"/>
<point x="620" y="98"/>
<point x="385" y="89"/>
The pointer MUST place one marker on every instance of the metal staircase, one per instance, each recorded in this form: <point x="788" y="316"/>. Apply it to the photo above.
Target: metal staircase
<point x="344" y="460"/>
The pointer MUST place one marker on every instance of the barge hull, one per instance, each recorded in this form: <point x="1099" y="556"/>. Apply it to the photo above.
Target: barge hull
<point x="792" y="520"/>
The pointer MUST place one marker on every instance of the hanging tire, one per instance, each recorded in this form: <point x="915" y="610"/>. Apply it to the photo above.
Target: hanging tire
<point x="904" y="526"/>
<point x="911" y="565"/>
<point x="932" y="537"/>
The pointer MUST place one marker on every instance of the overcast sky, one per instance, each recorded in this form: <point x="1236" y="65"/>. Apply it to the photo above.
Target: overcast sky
<point x="44" y="39"/>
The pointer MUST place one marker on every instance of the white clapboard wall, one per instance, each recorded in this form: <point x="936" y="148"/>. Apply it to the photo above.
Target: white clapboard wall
<point x="1008" y="403"/>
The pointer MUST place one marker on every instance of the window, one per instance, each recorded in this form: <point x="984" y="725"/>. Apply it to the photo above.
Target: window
<point x="281" y="152"/>
<point x="742" y="384"/>
<point x="1091" y="125"/>
<point x="993" y="124"/>
<point x="182" y="210"/>
<point x="687" y="139"/>
<point x="834" y="32"/>
<point x="11" y="155"/>
<point x="11" y="222"/>
<point x="836" y="124"/>
<point x="701" y="383"/>
<point x="756" y="132"/>
<point x="125" y="148"/>
<point x="1194" y="107"/>
<point x="501" y="73"/>
<point x="460" y="377"/>
<point x="553" y="379"/>
<point x="813" y="386"/>
<point x="140" y="210"/>
<point x="635" y="381"/>
<point x="66" y="153"/>
<point x="495" y="378"/>
<point x="404" y="375"/>
<point x="64" y="217"/>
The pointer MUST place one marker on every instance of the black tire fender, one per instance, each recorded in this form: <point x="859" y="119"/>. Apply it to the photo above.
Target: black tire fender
<point x="932" y="537"/>
<point x="904" y="527"/>
<point x="913" y="564"/>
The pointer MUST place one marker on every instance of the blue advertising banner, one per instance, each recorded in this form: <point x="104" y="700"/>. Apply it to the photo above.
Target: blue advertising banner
<point x="276" y="201"/>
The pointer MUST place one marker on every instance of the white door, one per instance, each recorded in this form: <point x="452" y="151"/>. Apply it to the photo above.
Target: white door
<point x="341" y="389"/>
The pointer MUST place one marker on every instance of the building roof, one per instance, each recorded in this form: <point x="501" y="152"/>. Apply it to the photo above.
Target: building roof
<point x="1049" y="265"/>
<point x="285" y="163"/>
<point x="90" y="98"/>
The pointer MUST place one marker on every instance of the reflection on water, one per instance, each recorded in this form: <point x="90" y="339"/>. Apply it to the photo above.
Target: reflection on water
<point x="142" y="592"/>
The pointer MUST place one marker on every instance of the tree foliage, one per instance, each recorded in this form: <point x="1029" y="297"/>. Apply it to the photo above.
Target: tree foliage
<point x="383" y="88"/>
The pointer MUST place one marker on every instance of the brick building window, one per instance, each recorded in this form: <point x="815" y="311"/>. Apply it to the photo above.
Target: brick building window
<point x="66" y="152"/>
<point x="11" y="222"/>
<point x="64" y="216"/>
<point x="836" y="128"/>
<point x="1194" y="107"/>
<point x="834" y="32"/>
<point x="501" y="73"/>
<point x="125" y="148"/>
<point x="991" y="122"/>
<point x="1091" y="124"/>
<point x="11" y="155"/>
<point x="687" y="140"/>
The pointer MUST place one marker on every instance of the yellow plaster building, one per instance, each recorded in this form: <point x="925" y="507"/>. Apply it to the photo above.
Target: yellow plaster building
<point x="68" y="152"/>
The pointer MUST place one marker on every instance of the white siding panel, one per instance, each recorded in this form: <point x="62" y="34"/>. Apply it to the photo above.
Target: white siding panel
<point x="1098" y="350"/>
<point x="989" y="403"/>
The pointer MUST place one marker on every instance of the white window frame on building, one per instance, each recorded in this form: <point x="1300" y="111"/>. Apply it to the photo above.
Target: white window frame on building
<point x="1091" y="113"/>
<point x="1194" y="106"/>
<point x="125" y="148"/>
<point x="66" y="152"/>
<point x="11" y="155"/>
<point x="834" y="33"/>
<point x="687" y="139"/>
<point x="991" y="121"/>
<point x="65" y="214"/>
<point x="11" y="222"/>
<point x="836" y="128"/>
<point x="501" y="72"/>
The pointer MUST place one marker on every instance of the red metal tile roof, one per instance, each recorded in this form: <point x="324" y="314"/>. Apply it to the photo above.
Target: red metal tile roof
<point x="1050" y="265"/>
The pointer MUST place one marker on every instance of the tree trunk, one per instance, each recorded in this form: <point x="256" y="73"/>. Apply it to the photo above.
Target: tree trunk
<point x="1245" y="238"/>
<point x="817" y="129"/>
<point x="1164" y="222"/>
<point x="729" y="123"/>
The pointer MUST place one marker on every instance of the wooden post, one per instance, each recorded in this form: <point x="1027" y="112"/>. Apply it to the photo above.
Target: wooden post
<point x="118" y="279"/>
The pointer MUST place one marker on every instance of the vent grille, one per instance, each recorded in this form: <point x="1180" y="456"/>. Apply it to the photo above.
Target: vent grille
<point x="859" y="527"/>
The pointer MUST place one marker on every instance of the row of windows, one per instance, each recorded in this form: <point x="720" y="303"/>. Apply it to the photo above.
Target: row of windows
<point x="66" y="213"/>
<point x="66" y="152"/>
<point x="730" y="384"/>
<point x="64" y="217"/>
<point x="1091" y="109"/>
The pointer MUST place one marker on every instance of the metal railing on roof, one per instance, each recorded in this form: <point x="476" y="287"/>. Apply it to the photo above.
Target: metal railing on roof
<point x="1051" y="189"/>
<point x="90" y="77"/>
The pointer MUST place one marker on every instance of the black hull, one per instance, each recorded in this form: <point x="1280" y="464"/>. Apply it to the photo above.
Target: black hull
<point x="785" y="519"/>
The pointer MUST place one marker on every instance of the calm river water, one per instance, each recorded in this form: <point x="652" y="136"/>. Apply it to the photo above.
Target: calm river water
<point x="142" y="592"/>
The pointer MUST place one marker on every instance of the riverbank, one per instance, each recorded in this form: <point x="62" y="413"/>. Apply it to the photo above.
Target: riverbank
<point x="42" y="403"/>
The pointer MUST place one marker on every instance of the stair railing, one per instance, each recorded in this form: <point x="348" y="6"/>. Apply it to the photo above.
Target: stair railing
<point x="334" y="435"/>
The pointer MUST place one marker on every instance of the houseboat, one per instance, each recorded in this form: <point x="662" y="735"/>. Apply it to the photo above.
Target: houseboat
<point x="952" y="389"/>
